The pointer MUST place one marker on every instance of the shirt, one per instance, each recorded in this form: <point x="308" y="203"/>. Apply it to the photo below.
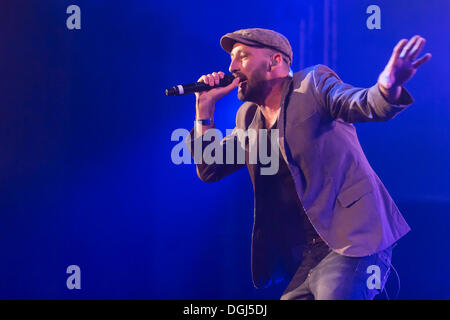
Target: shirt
<point x="284" y="217"/>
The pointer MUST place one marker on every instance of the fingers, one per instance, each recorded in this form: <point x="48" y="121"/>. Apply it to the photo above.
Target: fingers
<point x="229" y="87"/>
<point x="422" y="60"/>
<point x="397" y="50"/>
<point x="399" y="47"/>
<point x="417" y="48"/>
<point x="406" y="50"/>
<point x="233" y="84"/>
<point x="221" y="92"/>
<point x="212" y="79"/>
<point x="411" y="50"/>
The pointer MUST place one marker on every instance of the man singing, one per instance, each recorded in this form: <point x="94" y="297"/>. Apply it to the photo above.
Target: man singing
<point x="325" y="219"/>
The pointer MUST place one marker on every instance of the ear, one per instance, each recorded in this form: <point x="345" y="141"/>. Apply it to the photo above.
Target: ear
<point x="271" y="64"/>
<point x="275" y="59"/>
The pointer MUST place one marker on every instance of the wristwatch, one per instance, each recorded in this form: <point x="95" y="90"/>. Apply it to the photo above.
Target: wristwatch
<point x="205" y="122"/>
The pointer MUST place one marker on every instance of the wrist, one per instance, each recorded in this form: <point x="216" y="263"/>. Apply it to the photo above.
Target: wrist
<point x="204" y="121"/>
<point x="202" y="125"/>
<point x="204" y="108"/>
<point x="392" y="94"/>
<point x="204" y="113"/>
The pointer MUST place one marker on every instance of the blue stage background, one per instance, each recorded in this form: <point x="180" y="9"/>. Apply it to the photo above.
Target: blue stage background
<point x="86" y="176"/>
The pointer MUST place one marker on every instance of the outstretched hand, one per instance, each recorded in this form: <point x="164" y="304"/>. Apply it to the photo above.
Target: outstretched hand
<point x="402" y="66"/>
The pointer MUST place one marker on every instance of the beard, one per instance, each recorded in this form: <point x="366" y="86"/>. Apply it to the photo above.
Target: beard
<point x="254" y="88"/>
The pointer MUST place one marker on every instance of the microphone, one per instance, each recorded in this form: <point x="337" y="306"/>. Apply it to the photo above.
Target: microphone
<point x="198" y="86"/>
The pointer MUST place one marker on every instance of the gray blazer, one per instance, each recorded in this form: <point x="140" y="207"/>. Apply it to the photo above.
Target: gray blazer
<point x="343" y="197"/>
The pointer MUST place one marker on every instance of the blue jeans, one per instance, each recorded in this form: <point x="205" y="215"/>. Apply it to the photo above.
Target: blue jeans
<point x="326" y="275"/>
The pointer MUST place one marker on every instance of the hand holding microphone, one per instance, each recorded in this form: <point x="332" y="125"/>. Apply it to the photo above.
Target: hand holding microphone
<point x="208" y="90"/>
<point x="206" y="100"/>
<point x="202" y="85"/>
<point x="219" y="84"/>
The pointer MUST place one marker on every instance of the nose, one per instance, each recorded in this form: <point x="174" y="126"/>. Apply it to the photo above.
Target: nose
<point x="233" y="66"/>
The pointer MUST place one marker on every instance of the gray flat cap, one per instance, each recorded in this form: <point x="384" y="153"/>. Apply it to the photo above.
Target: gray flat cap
<point x="259" y="38"/>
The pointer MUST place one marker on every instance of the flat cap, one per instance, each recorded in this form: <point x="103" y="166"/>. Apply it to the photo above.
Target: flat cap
<point x="258" y="37"/>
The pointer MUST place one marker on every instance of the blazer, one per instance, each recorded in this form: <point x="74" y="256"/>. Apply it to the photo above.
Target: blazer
<point x="344" y="199"/>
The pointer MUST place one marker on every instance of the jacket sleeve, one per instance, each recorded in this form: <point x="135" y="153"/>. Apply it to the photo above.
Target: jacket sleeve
<point x="201" y="147"/>
<point x="351" y="104"/>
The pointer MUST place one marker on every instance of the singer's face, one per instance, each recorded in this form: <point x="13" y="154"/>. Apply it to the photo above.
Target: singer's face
<point x="251" y="65"/>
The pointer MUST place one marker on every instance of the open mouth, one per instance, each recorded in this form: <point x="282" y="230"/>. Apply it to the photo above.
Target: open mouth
<point x="243" y="83"/>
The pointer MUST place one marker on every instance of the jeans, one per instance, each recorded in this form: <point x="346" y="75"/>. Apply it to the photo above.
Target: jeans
<point x="326" y="275"/>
